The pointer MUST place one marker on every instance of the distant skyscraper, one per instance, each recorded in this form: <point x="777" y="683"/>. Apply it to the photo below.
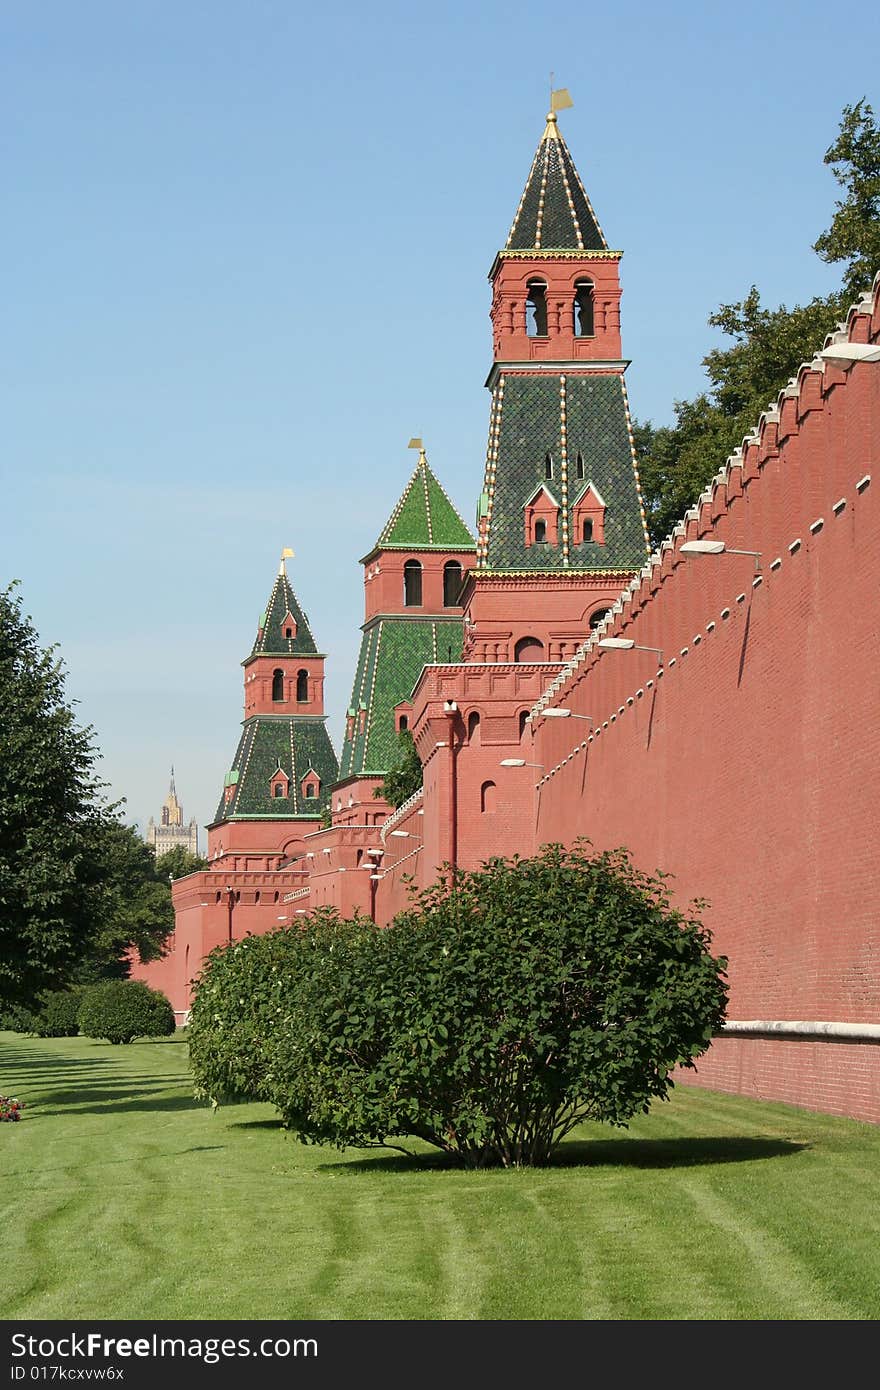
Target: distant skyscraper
<point x="171" y="833"/>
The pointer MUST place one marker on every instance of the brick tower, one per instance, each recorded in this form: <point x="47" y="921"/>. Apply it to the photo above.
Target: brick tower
<point x="561" y="520"/>
<point x="284" y="766"/>
<point x="413" y="579"/>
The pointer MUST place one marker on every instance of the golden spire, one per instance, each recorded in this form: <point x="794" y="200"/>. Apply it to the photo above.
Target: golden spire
<point x="416" y="443"/>
<point x="286" y="554"/>
<point x="559" y="101"/>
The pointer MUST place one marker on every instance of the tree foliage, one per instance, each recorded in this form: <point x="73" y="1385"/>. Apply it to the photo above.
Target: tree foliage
<point x="121" y="1010"/>
<point x="502" y="1010"/>
<point x="78" y="888"/>
<point x="178" y="862"/>
<point x="405" y="779"/>
<point x="50" y="814"/>
<point x="677" y="462"/>
<point x="854" y="235"/>
<point x="130" y="900"/>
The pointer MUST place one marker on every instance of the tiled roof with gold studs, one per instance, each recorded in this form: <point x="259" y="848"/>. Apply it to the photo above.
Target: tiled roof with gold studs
<point x="424" y="517"/>
<point x="554" y="211"/>
<point x="582" y="424"/>
<point x="270" y="639"/>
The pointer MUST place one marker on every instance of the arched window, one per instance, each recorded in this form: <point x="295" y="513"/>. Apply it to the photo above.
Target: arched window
<point x="278" y="789"/>
<point x="404" y="723"/>
<point x="523" y="721"/>
<point x="473" y="725"/>
<point x="548" y="466"/>
<point x="528" y="649"/>
<point x="588" y="529"/>
<point x="278" y="685"/>
<point x="310" y="789"/>
<point x="487" y="797"/>
<point x="302" y="687"/>
<point x="288" y="632"/>
<point x="412" y="584"/>
<point x="597" y="617"/>
<point x="540" y="532"/>
<point x="451" y="583"/>
<point x="536" y="309"/>
<point x="583" y="309"/>
<point x="579" y="464"/>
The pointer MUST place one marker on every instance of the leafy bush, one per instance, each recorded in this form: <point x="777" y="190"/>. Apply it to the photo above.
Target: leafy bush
<point x="502" y="1010"/>
<point x="59" y="1014"/>
<point x="246" y="996"/>
<point x="16" y="1018"/>
<point x="120" y="1010"/>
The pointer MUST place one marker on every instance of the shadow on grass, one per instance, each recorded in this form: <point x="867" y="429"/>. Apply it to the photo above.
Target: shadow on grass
<point x="670" y="1153"/>
<point x="70" y="1102"/>
<point x="257" y="1124"/>
<point x="598" y="1153"/>
<point x="94" y="1164"/>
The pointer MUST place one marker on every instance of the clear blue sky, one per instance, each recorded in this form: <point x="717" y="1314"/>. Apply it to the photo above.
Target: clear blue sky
<point x="245" y="249"/>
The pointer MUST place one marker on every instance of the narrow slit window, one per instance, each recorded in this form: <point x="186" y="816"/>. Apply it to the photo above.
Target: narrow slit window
<point x="536" y="309"/>
<point x="583" y="309"/>
<point x="412" y="584"/>
<point x="451" y="583"/>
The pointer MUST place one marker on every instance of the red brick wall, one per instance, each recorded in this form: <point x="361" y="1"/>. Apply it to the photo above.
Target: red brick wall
<point x="837" y="1078"/>
<point x="748" y="768"/>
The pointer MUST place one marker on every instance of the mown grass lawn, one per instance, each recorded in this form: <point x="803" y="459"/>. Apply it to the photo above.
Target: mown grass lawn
<point x="122" y="1197"/>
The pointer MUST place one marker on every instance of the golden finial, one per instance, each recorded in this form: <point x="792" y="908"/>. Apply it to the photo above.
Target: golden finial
<point x="286" y="554"/>
<point x="416" y="443"/>
<point x="559" y="101"/>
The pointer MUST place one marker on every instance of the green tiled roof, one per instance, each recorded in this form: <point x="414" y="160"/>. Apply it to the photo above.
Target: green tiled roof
<point x="554" y="212"/>
<point x="595" y="424"/>
<point x="296" y="744"/>
<point x="424" y="518"/>
<point x="270" y="639"/>
<point x="393" y="652"/>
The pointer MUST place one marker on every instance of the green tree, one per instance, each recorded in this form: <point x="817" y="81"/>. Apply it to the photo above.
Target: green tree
<point x="130" y="901"/>
<point x="854" y="235"/>
<point x="178" y="862"/>
<point x="51" y="811"/>
<point x="677" y="462"/>
<point x="403" y="780"/>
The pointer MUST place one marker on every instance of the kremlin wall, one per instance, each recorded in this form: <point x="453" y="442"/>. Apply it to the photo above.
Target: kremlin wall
<point x="715" y="708"/>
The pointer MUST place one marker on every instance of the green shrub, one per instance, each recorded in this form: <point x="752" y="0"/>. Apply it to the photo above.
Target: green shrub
<point x="120" y="1010"/>
<point x="15" y="1018"/>
<point x="245" y="997"/>
<point x="59" y="1014"/>
<point x="505" y="1008"/>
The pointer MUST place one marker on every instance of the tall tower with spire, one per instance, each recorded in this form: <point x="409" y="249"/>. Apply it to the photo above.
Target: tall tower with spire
<point x="560" y="517"/>
<point x="171" y="833"/>
<point x="279" y="783"/>
<point x="413" y="578"/>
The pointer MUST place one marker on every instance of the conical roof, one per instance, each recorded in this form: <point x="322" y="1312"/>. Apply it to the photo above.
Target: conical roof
<point x="554" y="211"/>
<point x="424" y="518"/>
<point x="271" y="638"/>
